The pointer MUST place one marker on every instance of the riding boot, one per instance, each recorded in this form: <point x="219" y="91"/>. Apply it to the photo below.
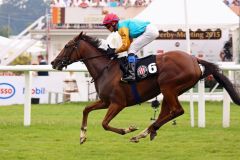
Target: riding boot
<point x="131" y="73"/>
<point x="131" y="69"/>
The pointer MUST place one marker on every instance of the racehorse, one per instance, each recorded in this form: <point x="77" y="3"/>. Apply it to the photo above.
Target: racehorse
<point x="177" y="73"/>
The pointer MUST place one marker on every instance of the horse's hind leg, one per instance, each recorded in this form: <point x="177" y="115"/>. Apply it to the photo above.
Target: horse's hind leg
<point x="164" y="112"/>
<point x="171" y="109"/>
<point x="95" y="106"/>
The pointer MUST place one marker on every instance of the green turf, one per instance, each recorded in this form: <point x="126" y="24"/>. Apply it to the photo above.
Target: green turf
<point x="54" y="135"/>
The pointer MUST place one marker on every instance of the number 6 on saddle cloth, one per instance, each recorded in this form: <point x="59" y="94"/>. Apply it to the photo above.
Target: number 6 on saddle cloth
<point x="145" y="67"/>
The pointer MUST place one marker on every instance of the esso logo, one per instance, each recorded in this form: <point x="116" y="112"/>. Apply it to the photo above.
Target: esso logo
<point x="6" y="90"/>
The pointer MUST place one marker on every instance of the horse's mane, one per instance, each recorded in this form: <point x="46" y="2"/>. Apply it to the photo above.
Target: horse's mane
<point x="95" y="42"/>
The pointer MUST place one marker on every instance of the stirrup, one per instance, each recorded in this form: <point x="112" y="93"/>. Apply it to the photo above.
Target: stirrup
<point x="127" y="79"/>
<point x="123" y="80"/>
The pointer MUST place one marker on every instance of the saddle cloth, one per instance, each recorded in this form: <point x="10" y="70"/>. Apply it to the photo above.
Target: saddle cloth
<point x="145" y="67"/>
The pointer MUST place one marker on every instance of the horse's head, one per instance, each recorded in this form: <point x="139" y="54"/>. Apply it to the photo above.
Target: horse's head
<point x="68" y="54"/>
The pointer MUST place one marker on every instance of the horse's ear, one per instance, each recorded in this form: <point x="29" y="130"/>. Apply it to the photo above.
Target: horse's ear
<point x="80" y="34"/>
<point x="78" y="37"/>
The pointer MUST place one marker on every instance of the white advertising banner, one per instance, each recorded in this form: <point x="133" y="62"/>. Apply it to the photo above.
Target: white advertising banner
<point x="12" y="89"/>
<point x="76" y="15"/>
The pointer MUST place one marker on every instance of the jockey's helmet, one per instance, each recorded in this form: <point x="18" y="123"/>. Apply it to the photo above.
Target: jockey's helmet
<point x="109" y="18"/>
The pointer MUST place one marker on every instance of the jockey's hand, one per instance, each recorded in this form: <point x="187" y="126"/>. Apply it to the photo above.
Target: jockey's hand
<point x="111" y="52"/>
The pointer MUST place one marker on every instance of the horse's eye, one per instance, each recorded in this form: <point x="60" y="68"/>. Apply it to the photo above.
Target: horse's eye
<point x="66" y="46"/>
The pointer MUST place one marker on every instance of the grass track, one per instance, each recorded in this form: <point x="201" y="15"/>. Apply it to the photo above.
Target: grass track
<point x="54" y="135"/>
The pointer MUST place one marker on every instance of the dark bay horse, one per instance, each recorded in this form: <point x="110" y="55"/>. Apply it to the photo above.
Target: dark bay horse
<point x="177" y="73"/>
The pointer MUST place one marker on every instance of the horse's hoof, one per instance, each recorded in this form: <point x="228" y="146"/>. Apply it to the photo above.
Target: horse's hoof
<point x="153" y="134"/>
<point x="82" y="140"/>
<point x="134" y="139"/>
<point x="133" y="128"/>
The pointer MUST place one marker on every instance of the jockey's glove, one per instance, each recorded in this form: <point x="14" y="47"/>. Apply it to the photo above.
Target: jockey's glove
<point x="111" y="52"/>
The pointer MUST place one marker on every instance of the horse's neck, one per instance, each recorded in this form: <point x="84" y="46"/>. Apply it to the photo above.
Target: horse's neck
<point x="94" y="65"/>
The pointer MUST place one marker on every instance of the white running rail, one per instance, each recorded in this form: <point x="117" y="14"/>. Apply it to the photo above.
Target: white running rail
<point x="28" y="82"/>
<point x="201" y="101"/>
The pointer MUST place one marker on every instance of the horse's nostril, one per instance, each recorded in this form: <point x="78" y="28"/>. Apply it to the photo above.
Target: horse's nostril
<point x="52" y="63"/>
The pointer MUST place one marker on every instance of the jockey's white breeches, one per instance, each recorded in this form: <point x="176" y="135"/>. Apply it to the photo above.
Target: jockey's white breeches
<point x="150" y="34"/>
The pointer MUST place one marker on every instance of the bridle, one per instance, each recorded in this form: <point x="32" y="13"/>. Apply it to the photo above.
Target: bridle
<point x="66" y="60"/>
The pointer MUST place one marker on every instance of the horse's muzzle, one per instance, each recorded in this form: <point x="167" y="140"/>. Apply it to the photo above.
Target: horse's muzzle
<point x="57" y="65"/>
<point x="52" y="63"/>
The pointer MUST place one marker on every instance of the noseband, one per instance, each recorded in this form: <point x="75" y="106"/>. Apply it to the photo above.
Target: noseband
<point x="65" y="61"/>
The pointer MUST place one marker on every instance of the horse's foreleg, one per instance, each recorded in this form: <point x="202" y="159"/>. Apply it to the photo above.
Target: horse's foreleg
<point x="113" y="110"/>
<point x="97" y="105"/>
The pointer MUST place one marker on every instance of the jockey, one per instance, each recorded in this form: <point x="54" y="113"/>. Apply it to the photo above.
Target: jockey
<point x="143" y="31"/>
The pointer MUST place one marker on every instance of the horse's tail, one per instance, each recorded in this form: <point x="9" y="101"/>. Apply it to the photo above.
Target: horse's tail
<point x="210" y="68"/>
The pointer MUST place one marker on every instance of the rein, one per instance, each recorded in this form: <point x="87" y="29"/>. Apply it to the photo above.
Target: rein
<point x="99" y="74"/>
<point x="85" y="59"/>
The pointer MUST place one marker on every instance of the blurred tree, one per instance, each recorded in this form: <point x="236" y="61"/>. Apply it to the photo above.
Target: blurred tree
<point x="21" y="13"/>
<point x="23" y="59"/>
<point x="5" y="31"/>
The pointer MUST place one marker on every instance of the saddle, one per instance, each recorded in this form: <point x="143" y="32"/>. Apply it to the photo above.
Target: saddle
<point x="145" y="67"/>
